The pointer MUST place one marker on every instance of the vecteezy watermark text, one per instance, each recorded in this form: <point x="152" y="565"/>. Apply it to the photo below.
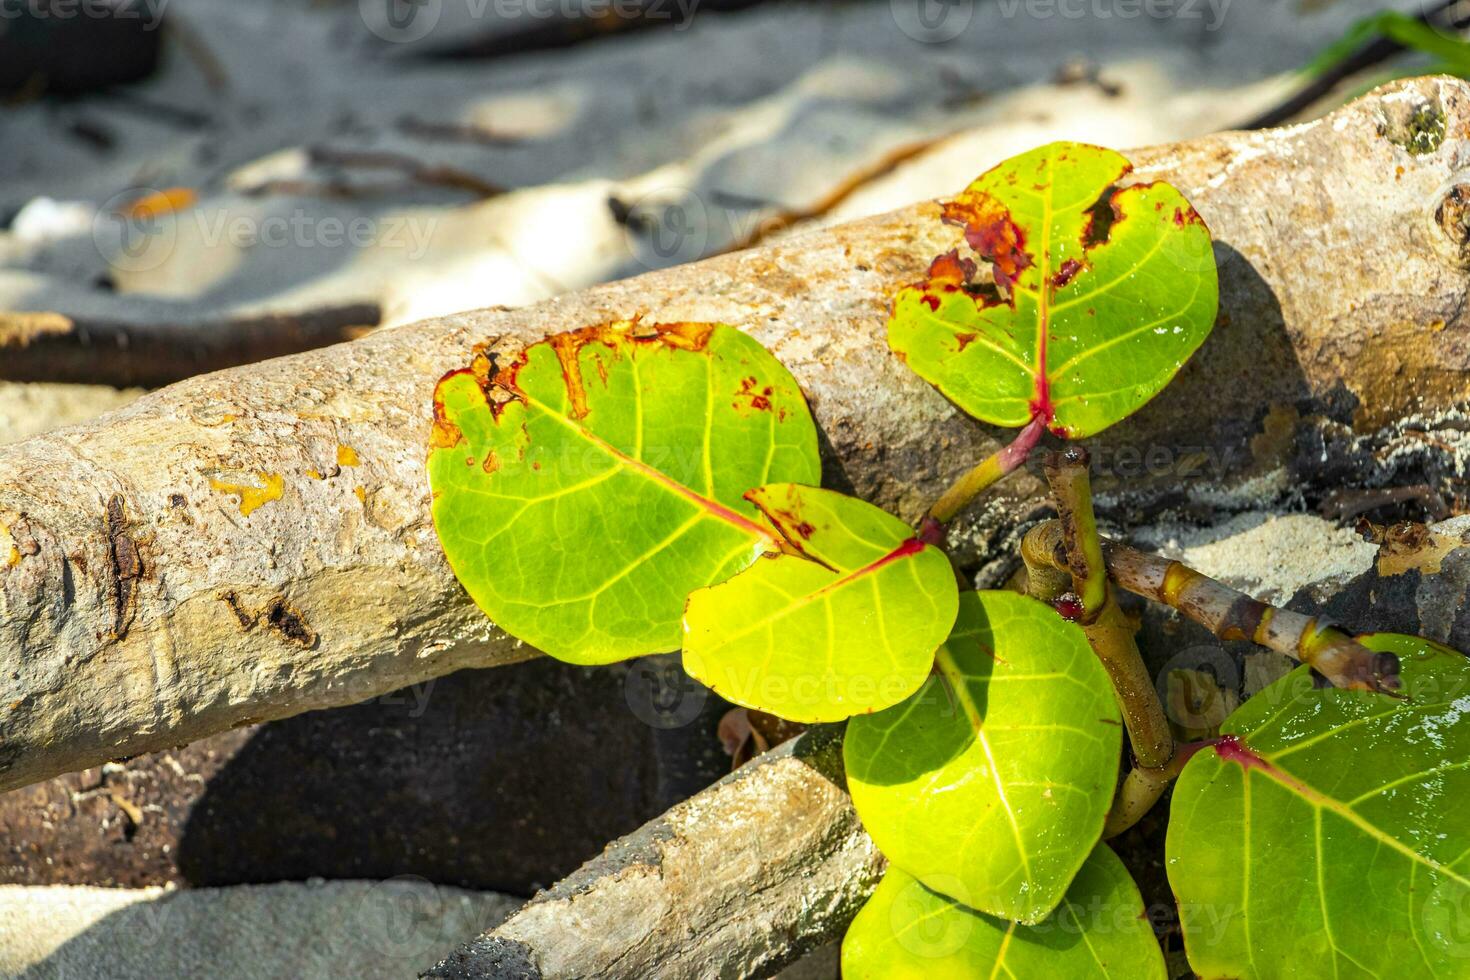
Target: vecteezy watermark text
<point x="937" y="21"/>
<point x="403" y="21"/>
<point x="1212" y="12"/>
<point x="149" y="12"/>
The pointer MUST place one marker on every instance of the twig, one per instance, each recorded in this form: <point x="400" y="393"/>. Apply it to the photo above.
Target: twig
<point x="854" y="182"/>
<point x="977" y="480"/>
<point x="1066" y="474"/>
<point x="436" y="174"/>
<point x="1233" y="615"/>
<point x="455" y="132"/>
<point x="1367" y="55"/>
<point x="1142" y="787"/>
<point x="1108" y="630"/>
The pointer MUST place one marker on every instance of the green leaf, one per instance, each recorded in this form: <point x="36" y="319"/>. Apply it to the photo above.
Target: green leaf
<point x="1099" y="294"/>
<point x="908" y="932"/>
<point x="583" y="491"/>
<point x="848" y="624"/>
<point x="996" y="777"/>
<point x="1328" y="832"/>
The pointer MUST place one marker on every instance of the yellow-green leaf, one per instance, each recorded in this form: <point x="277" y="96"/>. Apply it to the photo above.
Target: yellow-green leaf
<point x="845" y="622"/>
<point x="1099" y="932"/>
<point x="581" y="492"/>
<point x="996" y="776"/>
<point x="1328" y="833"/>
<point x="1099" y="294"/>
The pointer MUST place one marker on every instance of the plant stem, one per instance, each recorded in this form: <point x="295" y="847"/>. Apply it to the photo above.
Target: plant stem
<point x="1071" y="488"/>
<point x="1003" y="461"/>
<point x="1140" y="790"/>
<point x="1142" y="787"/>
<point x="1233" y="615"/>
<point x="1228" y="613"/>
<point x="1111" y="636"/>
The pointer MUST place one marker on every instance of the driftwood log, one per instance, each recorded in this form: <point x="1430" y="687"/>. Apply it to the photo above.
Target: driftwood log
<point x="256" y="543"/>
<point x="669" y="900"/>
<point x="82" y="350"/>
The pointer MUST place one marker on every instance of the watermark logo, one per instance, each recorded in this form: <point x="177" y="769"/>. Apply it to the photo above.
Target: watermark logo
<point x="134" y="234"/>
<point x="932" y="21"/>
<point x="1198" y="687"/>
<point x="1446" y="918"/>
<point x="661" y="695"/>
<point x="401" y="21"/>
<point x="664" y="227"/>
<point x="924" y="934"/>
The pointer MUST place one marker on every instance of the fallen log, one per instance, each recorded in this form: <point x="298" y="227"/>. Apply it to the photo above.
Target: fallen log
<point x="96" y="350"/>
<point x="256" y="543"/>
<point x="738" y="881"/>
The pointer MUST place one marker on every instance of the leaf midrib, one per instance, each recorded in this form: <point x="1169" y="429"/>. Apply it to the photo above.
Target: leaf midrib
<point x="944" y="660"/>
<point x="800" y="602"/>
<point x="1316" y="798"/>
<point x="712" y="508"/>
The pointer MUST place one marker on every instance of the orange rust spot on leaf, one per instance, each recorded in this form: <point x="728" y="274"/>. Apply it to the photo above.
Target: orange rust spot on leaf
<point x="950" y="269"/>
<point x="991" y="232"/>
<point x="444" y="434"/>
<point x="755" y="398"/>
<point x="492" y="462"/>
<point x="567" y="347"/>
<point x="253" y="497"/>
<point x="685" y="336"/>
<point x="500" y="382"/>
<point x="965" y="340"/>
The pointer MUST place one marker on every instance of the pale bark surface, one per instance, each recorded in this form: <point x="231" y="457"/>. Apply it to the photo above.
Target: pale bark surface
<point x="144" y="603"/>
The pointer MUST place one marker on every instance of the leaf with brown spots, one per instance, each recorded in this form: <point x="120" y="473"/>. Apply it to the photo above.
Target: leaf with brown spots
<point x="845" y="621"/>
<point x="1098" y="294"/>
<point x="582" y="491"/>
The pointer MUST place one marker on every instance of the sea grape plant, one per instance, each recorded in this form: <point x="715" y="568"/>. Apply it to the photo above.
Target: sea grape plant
<point x="633" y="488"/>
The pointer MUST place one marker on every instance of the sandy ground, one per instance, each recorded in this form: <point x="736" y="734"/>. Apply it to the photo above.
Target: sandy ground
<point x="389" y="929"/>
<point x="698" y="133"/>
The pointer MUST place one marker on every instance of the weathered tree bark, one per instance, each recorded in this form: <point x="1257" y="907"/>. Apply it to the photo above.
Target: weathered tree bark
<point x="739" y="881"/>
<point x="256" y="543"/>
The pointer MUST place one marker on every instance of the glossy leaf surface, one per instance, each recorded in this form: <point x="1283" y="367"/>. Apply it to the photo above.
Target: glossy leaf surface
<point x="848" y="625"/>
<point x="1328" y="834"/>
<point x="1099" y="295"/>
<point x="996" y="776"/>
<point x="582" y="492"/>
<point x="1100" y="931"/>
